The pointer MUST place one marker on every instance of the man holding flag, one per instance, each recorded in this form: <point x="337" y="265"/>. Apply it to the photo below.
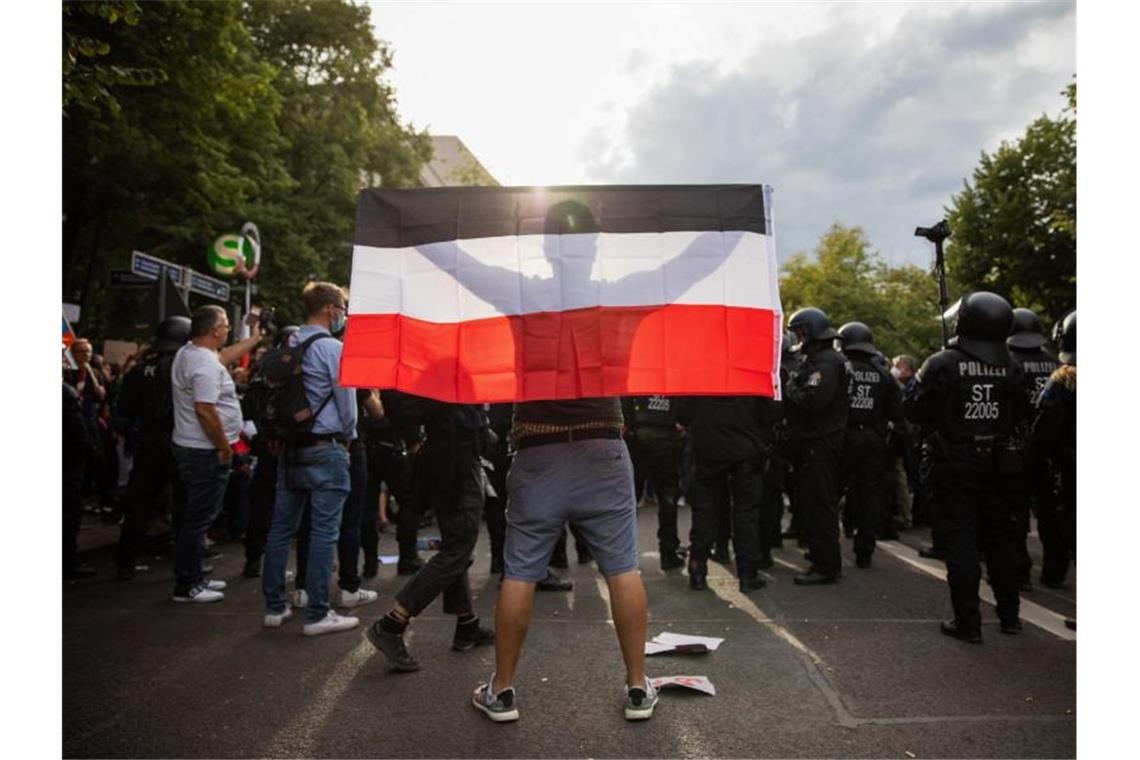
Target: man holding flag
<point x="562" y="300"/>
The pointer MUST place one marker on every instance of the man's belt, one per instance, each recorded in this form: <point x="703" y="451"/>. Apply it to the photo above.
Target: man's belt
<point x="568" y="436"/>
<point x="318" y="439"/>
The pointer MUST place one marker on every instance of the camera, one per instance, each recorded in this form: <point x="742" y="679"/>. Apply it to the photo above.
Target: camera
<point x="935" y="234"/>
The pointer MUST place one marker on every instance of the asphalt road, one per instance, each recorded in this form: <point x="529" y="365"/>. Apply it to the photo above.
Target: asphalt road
<point x="858" y="669"/>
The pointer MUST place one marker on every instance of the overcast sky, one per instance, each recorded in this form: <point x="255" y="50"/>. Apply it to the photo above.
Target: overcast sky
<point x="867" y="114"/>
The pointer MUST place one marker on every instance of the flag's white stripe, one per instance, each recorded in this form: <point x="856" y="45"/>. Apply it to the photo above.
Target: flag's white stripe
<point x="478" y="278"/>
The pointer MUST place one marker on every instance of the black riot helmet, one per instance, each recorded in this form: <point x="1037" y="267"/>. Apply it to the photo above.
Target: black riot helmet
<point x="856" y="336"/>
<point x="1067" y="343"/>
<point x="172" y="334"/>
<point x="983" y="323"/>
<point x="788" y="343"/>
<point x="811" y="325"/>
<point x="1026" y="334"/>
<point x="282" y="337"/>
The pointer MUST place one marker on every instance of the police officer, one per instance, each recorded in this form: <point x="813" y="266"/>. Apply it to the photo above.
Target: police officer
<point x="146" y="398"/>
<point x="970" y="397"/>
<point x="875" y="402"/>
<point x="1053" y="445"/>
<point x="732" y="438"/>
<point x="1026" y="347"/>
<point x="655" y="448"/>
<point x="817" y="406"/>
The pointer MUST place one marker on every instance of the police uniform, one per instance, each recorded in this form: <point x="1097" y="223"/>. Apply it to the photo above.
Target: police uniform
<point x="1053" y="445"/>
<point x="874" y="400"/>
<point x="146" y="398"/>
<point x="1037" y="365"/>
<point x="655" y="448"/>
<point x="817" y="407"/>
<point x="970" y="397"/>
<point x="732" y="438"/>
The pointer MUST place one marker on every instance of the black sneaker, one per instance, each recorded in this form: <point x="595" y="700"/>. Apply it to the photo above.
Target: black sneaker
<point x="671" y="561"/>
<point x="498" y="707"/>
<point x="392" y="646"/>
<point x="470" y="635"/>
<point x="698" y="577"/>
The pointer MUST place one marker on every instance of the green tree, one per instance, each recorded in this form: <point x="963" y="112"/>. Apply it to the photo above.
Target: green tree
<point x="184" y="119"/>
<point x="341" y="130"/>
<point x="1015" y="226"/>
<point x="849" y="282"/>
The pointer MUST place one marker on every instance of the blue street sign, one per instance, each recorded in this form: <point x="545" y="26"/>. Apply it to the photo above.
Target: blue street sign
<point x="151" y="266"/>
<point x="209" y="287"/>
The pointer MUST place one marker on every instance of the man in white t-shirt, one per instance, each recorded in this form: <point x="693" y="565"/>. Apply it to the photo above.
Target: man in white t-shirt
<point x="207" y="421"/>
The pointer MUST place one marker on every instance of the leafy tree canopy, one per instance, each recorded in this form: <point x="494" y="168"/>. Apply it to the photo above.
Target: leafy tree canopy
<point x="851" y="283"/>
<point x="1015" y="225"/>
<point x="182" y="120"/>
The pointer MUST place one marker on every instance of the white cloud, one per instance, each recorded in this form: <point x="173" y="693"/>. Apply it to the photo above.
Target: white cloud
<point x="868" y="114"/>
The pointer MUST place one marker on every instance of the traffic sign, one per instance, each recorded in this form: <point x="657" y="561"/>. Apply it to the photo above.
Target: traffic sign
<point x="145" y="265"/>
<point x="208" y="286"/>
<point x="123" y="278"/>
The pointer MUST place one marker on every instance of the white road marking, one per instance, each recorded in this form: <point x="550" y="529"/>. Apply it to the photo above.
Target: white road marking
<point x="299" y="737"/>
<point x="1030" y="612"/>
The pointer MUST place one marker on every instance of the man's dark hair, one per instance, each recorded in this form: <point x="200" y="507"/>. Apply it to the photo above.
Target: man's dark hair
<point x="204" y="319"/>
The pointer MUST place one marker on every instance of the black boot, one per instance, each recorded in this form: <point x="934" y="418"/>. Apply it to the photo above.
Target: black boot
<point x="698" y="576"/>
<point x="749" y="580"/>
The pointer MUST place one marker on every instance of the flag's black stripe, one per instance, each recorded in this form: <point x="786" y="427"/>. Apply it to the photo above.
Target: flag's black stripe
<point x="388" y="218"/>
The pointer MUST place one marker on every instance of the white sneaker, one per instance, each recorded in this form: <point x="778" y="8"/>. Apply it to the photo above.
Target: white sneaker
<point x="300" y="598"/>
<point x="275" y="621"/>
<point x="214" y="585"/>
<point x="200" y="594"/>
<point x="330" y="623"/>
<point x="357" y="598"/>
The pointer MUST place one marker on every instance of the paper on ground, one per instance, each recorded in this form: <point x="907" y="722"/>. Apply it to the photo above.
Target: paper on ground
<point x="681" y="643"/>
<point x="697" y="683"/>
<point x="388" y="559"/>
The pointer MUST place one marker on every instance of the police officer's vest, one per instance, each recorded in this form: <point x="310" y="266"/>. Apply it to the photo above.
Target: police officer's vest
<point x="654" y="411"/>
<point x="982" y="398"/>
<point x="866" y="390"/>
<point x="146" y="395"/>
<point x="1036" y="367"/>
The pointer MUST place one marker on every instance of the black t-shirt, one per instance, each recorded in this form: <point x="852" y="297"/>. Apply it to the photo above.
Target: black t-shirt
<point x="570" y="411"/>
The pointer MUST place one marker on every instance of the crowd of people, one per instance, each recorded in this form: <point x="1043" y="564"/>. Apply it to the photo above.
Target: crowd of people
<point x="256" y="441"/>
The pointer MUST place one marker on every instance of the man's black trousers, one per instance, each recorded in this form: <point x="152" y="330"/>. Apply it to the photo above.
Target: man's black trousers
<point x="712" y="483"/>
<point x="978" y="518"/>
<point x="656" y="455"/>
<point x="154" y="468"/>
<point x="863" y="454"/>
<point x="818" y="478"/>
<point x="456" y="499"/>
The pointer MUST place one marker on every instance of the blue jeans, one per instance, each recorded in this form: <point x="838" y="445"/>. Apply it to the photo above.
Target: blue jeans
<point x="204" y="479"/>
<point x="318" y="475"/>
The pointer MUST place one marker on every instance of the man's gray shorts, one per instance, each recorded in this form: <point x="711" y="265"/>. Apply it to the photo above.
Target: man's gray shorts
<point x="587" y="482"/>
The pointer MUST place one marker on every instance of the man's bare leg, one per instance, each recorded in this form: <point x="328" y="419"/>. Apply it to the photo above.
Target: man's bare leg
<point x="512" y="619"/>
<point x="629" y="610"/>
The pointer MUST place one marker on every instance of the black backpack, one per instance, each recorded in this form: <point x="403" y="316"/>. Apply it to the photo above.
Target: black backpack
<point x="276" y="399"/>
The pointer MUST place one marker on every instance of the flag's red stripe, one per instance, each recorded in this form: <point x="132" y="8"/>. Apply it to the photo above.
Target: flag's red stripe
<point x="601" y="351"/>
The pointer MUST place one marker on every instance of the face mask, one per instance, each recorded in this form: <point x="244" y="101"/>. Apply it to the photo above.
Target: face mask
<point x="338" y="323"/>
<point x="896" y="373"/>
